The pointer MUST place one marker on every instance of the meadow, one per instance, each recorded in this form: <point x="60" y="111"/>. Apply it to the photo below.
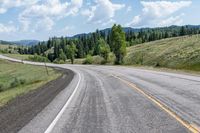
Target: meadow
<point x="17" y="79"/>
<point x="175" y="53"/>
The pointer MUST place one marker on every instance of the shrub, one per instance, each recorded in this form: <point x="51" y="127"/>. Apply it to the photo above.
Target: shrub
<point x="22" y="81"/>
<point x="97" y="59"/>
<point x="58" y="61"/>
<point x="38" y="58"/>
<point x="1" y="88"/>
<point x="16" y="82"/>
<point x="157" y="64"/>
<point x="88" y="60"/>
<point x="111" y="58"/>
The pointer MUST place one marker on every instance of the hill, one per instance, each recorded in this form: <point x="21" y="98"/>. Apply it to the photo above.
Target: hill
<point x="5" y="42"/>
<point x="176" y="53"/>
<point x="20" y="43"/>
<point x="136" y="30"/>
<point x="17" y="79"/>
<point x="26" y="42"/>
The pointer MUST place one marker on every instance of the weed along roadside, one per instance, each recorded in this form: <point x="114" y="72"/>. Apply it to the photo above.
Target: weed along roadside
<point x="18" y="78"/>
<point x="25" y="106"/>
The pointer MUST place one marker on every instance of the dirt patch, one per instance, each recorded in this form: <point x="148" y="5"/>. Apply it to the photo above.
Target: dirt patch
<point x="18" y="112"/>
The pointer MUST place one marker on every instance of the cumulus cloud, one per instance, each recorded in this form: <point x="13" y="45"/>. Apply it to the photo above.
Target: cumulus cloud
<point x="129" y="9"/>
<point x="173" y="20"/>
<point x="159" y="13"/>
<point x="103" y="11"/>
<point x="7" y="28"/>
<point x="44" y="14"/>
<point x="45" y="23"/>
<point x="7" y="4"/>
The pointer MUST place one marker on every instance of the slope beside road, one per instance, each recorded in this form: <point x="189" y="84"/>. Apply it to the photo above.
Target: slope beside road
<point x="104" y="103"/>
<point x="20" y="110"/>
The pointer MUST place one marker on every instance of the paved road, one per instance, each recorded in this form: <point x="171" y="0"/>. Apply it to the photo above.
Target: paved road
<point x="111" y="99"/>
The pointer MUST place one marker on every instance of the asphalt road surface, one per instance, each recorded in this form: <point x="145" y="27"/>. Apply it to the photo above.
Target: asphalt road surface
<point x="113" y="99"/>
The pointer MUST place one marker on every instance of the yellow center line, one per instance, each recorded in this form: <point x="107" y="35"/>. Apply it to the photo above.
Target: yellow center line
<point x="191" y="127"/>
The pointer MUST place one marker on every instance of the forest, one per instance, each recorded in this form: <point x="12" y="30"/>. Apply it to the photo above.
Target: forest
<point x="103" y="42"/>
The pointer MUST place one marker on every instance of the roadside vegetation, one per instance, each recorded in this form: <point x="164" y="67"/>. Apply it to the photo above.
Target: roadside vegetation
<point x="174" y="47"/>
<point x="18" y="56"/>
<point x="175" y="53"/>
<point x="100" y="43"/>
<point x="17" y="79"/>
<point x="5" y="49"/>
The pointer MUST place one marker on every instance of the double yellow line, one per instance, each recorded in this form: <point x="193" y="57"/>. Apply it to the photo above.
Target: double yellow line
<point x="190" y="127"/>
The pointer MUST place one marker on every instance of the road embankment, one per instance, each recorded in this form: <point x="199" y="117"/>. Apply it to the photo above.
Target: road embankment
<point x="18" y="112"/>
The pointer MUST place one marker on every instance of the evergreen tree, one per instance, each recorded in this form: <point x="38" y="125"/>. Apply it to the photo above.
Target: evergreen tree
<point x="71" y="51"/>
<point x="118" y="43"/>
<point x="182" y="31"/>
<point x="62" y="55"/>
<point x="104" y="49"/>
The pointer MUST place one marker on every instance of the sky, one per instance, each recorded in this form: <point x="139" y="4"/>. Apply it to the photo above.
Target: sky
<point x="41" y="19"/>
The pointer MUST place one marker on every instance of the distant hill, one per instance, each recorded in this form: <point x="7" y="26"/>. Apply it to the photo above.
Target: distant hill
<point x="26" y="42"/>
<point x="136" y="30"/>
<point x="105" y="31"/>
<point x="5" y="42"/>
<point x="177" y="53"/>
<point x="21" y="42"/>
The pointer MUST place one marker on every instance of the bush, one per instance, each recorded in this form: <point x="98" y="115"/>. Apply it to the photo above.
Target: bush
<point x="38" y="58"/>
<point x="17" y="82"/>
<point x="97" y="59"/>
<point x="59" y="61"/>
<point x="1" y="88"/>
<point x="111" y="58"/>
<point x="22" y="81"/>
<point x="103" y="62"/>
<point x="88" y="60"/>
<point x="157" y="64"/>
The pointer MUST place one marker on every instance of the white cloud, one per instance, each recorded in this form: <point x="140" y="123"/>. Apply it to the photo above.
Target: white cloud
<point x="7" y="28"/>
<point x="129" y="9"/>
<point x="67" y="28"/>
<point x="159" y="13"/>
<point x="7" y="4"/>
<point x="135" y="21"/>
<point x="44" y="14"/>
<point x="111" y="21"/>
<point x="171" y="21"/>
<point x="102" y="11"/>
<point x="45" y="23"/>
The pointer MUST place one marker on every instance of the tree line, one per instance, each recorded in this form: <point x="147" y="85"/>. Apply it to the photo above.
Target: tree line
<point x="103" y="42"/>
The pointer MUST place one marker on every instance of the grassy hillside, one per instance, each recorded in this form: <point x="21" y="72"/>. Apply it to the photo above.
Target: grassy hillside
<point x="5" y="48"/>
<point x="17" y="79"/>
<point x="19" y="56"/>
<point x="176" y="53"/>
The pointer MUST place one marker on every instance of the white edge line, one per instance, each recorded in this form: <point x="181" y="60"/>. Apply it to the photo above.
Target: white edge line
<point x="53" y="123"/>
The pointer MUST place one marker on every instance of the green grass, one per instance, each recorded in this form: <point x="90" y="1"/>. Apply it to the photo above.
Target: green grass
<point x="2" y="46"/>
<point x="19" y="56"/>
<point x="175" y="53"/>
<point x="7" y="48"/>
<point x="17" y="79"/>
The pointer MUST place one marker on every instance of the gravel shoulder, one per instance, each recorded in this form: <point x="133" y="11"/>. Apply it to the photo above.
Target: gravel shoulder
<point x="18" y="112"/>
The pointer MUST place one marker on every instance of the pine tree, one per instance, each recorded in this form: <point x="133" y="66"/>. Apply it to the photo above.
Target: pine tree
<point x="118" y="43"/>
<point x="71" y="51"/>
<point x="104" y="49"/>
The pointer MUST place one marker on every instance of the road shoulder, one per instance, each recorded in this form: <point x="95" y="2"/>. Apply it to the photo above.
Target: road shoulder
<point x="18" y="112"/>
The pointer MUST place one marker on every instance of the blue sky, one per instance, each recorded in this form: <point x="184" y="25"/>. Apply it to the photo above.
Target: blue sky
<point x="41" y="19"/>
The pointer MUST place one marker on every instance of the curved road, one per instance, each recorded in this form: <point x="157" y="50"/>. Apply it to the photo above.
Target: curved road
<point x="111" y="99"/>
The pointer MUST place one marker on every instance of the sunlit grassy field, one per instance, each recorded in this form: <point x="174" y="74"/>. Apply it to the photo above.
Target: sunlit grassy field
<point x="2" y="46"/>
<point x="176" y="53"/>
<point x="17" y="79"/>
<point x="18" y="56"/>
